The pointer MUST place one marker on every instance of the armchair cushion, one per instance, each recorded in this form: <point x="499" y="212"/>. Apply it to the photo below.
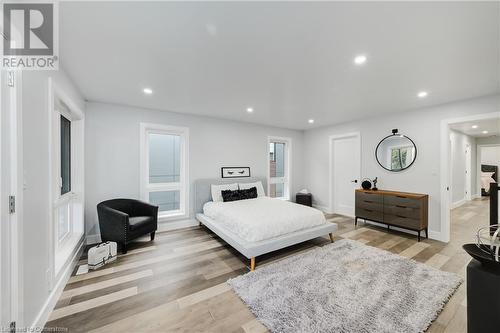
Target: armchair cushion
<point x="137" y="222"/>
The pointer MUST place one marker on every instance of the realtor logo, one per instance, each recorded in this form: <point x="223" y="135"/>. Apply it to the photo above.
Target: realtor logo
<point x="30" y="36"/>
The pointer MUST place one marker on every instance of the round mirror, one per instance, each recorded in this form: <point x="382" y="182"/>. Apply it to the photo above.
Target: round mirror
<point x="396" y="152"/>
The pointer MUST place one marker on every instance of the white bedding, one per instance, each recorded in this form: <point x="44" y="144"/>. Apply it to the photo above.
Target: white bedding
<point x="485" y="182"/>
<point x="263" y="218"/>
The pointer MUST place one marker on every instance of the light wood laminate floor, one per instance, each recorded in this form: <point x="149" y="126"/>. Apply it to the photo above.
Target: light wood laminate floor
<point x="177" y="283"/>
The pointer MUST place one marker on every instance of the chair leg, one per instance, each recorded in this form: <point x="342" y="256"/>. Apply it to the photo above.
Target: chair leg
<point x="252" y="263"/>
<point x="124" y="248"/>
<point x="152" y="236"/>
<point x="331" y="236"/>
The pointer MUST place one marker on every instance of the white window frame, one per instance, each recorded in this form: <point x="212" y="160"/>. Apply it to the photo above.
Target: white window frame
<point x="288" y="167"/>
<point x="64" y="248"/>
<point x="182" y="185"/>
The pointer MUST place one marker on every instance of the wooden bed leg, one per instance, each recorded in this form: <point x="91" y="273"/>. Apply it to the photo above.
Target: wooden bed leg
<point x="252" y="264"/>
<point x="331" y="236"/>
<point x="200" y="224"/>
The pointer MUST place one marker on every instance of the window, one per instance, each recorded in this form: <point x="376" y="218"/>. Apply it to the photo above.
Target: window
<point x="164" y="168"/>
<point x="279" y="168"/>
<point x="65" y="155"/>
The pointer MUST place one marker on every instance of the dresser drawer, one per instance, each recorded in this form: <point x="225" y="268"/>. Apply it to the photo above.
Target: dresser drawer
<point x="414" y="213"/>
<point x="401" y="201"/>
<point x="405" y="222"/>
<point x="371" y="206"/>
<point x="369" y="214"/>
<point x="369" y="197"/>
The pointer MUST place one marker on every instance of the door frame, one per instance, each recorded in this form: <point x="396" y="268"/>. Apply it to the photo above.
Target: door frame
<point x="331" y="181"/>
<point x="13" y="187"/>
<point x="445" y="172"/>
<point x="468" y="172"/>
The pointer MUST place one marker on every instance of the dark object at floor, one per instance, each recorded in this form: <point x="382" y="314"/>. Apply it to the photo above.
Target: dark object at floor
<point x="483" y="297"/>
<point x="480" y="255"/>
<point x="123" y="220"/>
<point x="304" y="199"/>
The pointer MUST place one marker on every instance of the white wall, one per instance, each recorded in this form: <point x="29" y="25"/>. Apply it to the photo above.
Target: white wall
<point x="422" y="126"/>
<point x="491" y="156"/>
<point x="35" y="239"/>
<point x="112" y="151"/>
<point x="459" y="141"/>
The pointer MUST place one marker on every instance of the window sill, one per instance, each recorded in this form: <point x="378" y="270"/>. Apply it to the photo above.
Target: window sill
<point x="172" y="217"/>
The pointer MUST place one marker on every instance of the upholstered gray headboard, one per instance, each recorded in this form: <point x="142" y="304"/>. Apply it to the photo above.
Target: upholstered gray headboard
<point x="202" y="189"/>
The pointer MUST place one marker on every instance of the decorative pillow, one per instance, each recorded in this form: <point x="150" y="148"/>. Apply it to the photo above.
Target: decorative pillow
<point x="250" y="193"/>
<point x="258" y="185"/>
<point x="487" y="174"/>
<point x="228" y="195"/>
<point x="217" y="189"/>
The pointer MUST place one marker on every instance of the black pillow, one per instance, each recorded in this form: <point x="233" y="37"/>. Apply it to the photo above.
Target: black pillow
<point x="250" y="193"/>
<point x="228" y="195"/>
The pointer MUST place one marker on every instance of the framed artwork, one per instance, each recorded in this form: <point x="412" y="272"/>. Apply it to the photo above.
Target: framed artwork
<point x="235" y="172"/>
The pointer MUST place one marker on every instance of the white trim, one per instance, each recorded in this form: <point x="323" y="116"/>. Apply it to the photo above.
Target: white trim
<point x="48" y="306"/>
<point x="77" y="117"/>
<point x="324" y="209"/>
<point x="476" y="196"/>
<point x="167" y="226"/>
<point x="445" y="167"/>
<point x="182" y="185"/>
<point x="331" y="138"/>
<point x="458" y="203"/>
<point x="288" y="166"/>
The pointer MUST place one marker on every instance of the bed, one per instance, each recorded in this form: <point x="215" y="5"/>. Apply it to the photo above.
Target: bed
<point x="258" y="226"/>
<point x="489" y="174"/>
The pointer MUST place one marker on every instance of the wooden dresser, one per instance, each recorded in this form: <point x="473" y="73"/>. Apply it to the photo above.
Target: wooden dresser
<point x="399" y="209"/>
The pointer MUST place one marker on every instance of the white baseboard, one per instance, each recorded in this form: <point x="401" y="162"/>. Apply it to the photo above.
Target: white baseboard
<point x="173" y="225"/>
<point x="476" y="196"/>
<point x="458" y="203"/>
<point x="436" y="235"/>
<point x="324" y="209"/>
<point x="48" y="306"/>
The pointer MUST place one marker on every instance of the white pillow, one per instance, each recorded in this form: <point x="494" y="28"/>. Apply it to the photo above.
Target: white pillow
<point x="258" y="185"/>
<point x="487" y="174"/>
<point x="217" y="190"/>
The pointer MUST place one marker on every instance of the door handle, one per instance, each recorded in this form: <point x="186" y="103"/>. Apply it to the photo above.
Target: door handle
<point x="354" y="181"/>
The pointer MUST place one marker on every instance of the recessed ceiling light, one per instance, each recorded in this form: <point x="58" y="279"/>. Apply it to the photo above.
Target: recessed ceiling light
<point x="422" y="94"/>
<point x="474" y="126"/>
<point x="147" y="91"/>
<point x="249" y="110"/>
<point x="311" y="121"/>
<point x="360" y="59"/>
<point x="484" y="132"/>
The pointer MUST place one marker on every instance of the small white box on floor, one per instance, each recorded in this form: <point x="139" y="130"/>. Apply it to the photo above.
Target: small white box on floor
<point x="101" y="254"/>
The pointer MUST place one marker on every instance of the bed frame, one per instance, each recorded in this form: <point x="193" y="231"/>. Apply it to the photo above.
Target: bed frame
<point x="251" y="250"/>
<point x="489" y="168"/>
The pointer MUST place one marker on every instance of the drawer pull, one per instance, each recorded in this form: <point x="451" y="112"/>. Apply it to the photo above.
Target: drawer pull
<point x="368" y="201"/>
<point x="401" y="196"/>
<point x="369" y="210"/>
<point x="399" y="206"/>
<point x="400" y="216"/>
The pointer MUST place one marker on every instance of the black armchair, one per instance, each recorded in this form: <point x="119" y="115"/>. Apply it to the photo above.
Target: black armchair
<point x="123" y="220"/>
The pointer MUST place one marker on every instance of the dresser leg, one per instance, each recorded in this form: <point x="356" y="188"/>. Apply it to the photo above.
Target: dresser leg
<point x="418" y="236"/>
<point x="355" y="221"/>
<point x="426" y="233"/>
<point x="388" y="227"/>
<point x="331" y="237"/>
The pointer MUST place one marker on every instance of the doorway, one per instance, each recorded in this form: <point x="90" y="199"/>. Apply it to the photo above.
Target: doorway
<point x="10" y="201"/>
<point x="464" y="207"/>
<point x="345" y="171"/>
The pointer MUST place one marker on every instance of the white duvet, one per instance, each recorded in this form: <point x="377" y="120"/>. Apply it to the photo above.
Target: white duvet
<point x="262" y="218"/>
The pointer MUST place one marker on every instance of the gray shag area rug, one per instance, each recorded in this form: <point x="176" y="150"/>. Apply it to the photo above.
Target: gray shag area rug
<point x="346" y="287"/>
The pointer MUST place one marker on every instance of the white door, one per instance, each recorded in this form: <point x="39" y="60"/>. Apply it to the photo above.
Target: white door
<point x="468" y="173"/>
<point x="8" y="185"/>
<point x="346" y="167"/>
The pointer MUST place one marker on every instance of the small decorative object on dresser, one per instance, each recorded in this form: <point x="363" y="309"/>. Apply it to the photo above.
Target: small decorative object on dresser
<point x="234" y="172"/>
<point x="304" y="199"/>
<point x="366" y="184"/>
<point x="399" y="209"/>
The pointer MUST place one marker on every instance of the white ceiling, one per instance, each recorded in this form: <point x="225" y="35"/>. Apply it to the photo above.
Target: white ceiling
<point x="289" y="61"/>
<point x="492" y="126"/>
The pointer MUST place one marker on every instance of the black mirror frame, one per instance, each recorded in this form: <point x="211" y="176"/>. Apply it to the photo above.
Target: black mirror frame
<point x="390" y="136"/>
